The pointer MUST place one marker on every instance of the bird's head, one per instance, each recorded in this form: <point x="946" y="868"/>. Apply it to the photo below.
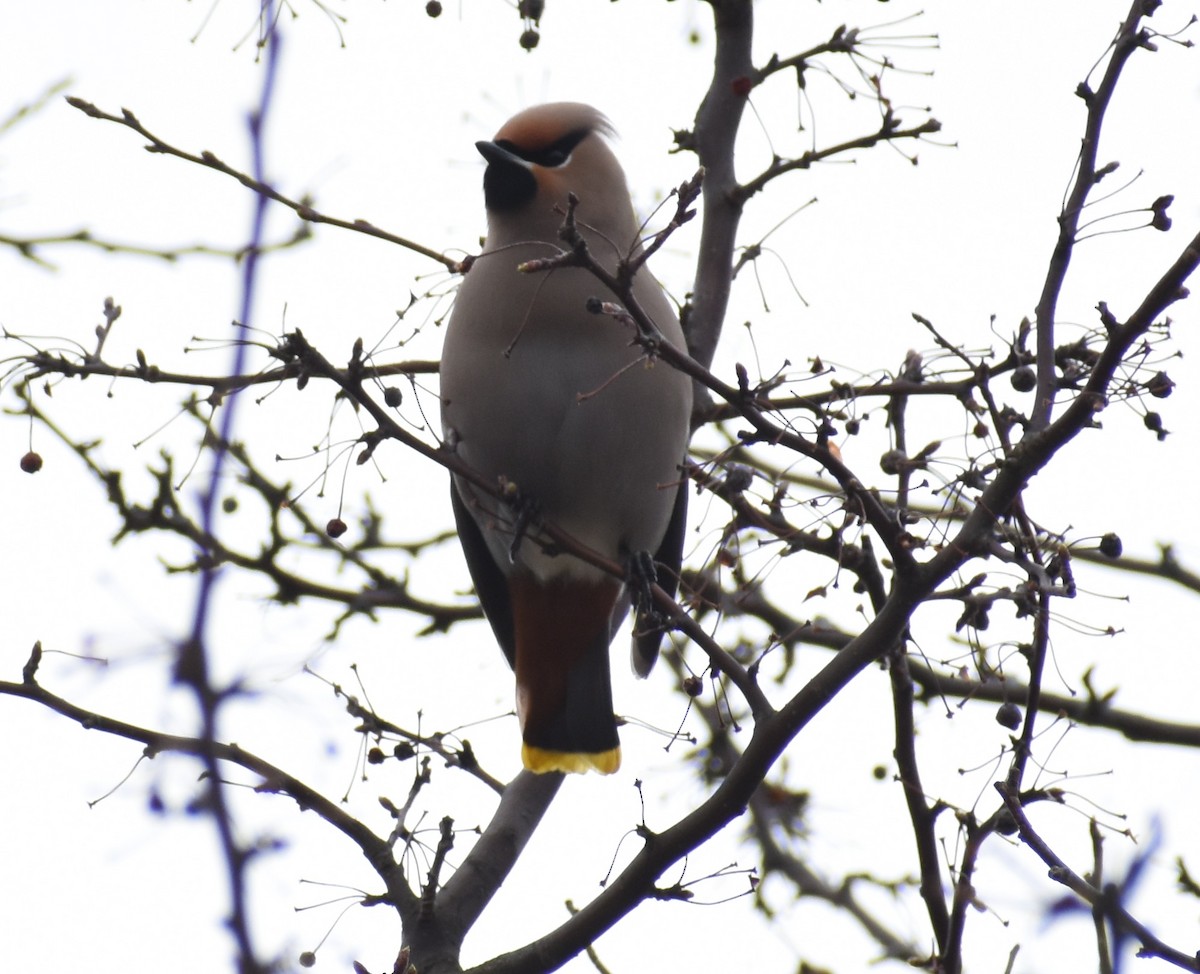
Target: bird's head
<point x="542" y="154"/>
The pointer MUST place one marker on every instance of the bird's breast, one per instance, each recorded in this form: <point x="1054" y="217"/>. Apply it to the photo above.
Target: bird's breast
<point x="563" y="404"/>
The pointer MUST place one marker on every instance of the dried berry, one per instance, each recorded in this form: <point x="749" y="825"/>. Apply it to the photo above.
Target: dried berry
<point x="1153" y="421"/>
<point x="531" y="9"/>
<point x="738" y="478"/>
<point x="1005" y="823"/>
<point x="1160" y="386"/>
<point x="1023" y="379"/>
<point x="892" y="462"/>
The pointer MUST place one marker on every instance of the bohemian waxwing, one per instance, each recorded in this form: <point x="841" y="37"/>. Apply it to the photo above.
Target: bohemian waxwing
<point x="562" y="405"/>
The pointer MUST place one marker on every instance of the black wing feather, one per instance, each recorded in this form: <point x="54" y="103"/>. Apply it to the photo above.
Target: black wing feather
<point x="490" y="583"/>
<point x="670" y="558"/>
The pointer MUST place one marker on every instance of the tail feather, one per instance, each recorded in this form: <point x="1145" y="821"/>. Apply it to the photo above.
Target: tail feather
<point x="564" y="691"/>
<point x="540" y="760"/>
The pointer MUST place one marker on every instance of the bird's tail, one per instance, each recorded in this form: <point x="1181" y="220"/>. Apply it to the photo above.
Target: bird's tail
<point x="564" y="691"/>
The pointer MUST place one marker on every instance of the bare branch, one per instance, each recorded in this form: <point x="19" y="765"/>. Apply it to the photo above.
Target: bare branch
<point x="271" y="779"/>
<point x="1101" y="899"/>
<point x="1130" y="37"/>
<point x="302" y="208"/>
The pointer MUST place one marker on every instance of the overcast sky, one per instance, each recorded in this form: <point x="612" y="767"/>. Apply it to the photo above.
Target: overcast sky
<point x="382" y="127"/>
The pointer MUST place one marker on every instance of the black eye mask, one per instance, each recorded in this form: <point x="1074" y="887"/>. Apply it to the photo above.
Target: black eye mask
<point x="550" y="156"/>
<point x="508" y="184"/>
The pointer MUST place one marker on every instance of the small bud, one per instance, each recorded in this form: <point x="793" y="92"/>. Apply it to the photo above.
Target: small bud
<point x="229" y="505"/>
<point x="529" y="39"/>
<point x="31" y="462"/>
<point x="308" y="959"/>
<point x="1009" y="715"/>
<point x="433" y="8"/>
<point x="693" y="686"/>
<point x="403" y="751"/>
<point x="1110" y="545"/>
<point x="913" y="367"/>
<point x="392" y="396"/>
<point x="376" y="756"/>
<point x="335" y="528"/>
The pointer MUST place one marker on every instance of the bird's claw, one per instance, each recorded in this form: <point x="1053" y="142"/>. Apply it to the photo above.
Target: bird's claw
<point x="525" y="512"/>
<point x="642" y="576"/>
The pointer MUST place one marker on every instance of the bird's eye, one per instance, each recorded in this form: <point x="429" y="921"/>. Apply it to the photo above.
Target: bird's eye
<point x="553" y="156"/>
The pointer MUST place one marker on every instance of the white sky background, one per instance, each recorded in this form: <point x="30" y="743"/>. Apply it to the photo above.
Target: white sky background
<point x="383" y="129"/>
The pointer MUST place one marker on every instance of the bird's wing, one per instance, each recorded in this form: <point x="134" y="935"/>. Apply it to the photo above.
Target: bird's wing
<point x="490" y="584"/>
<point x="670" y="557"/>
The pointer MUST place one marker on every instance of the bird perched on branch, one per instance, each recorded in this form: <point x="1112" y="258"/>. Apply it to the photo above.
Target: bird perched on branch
<point x="581" y="428"/>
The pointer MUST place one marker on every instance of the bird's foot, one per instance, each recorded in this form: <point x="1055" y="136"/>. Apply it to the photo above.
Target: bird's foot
<point x="525" y="512"/>
<point x="642" y="575"/>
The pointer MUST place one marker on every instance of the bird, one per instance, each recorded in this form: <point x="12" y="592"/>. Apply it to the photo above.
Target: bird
<point x="565" y="412"/>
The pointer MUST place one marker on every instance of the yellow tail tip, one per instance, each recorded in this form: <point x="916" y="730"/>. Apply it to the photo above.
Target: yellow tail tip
<point x="540" y="760"/>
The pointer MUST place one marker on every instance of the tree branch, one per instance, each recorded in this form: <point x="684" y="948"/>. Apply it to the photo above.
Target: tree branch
<point x="1128" y="39"/>
<point x="1104" y="899"/>
<point x="302" y="208"/>
<point x="272" y="780"/>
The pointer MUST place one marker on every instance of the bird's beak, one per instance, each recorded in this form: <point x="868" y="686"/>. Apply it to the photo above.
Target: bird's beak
<point x="509" y="181"/>
<point x="497" y="155"/>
